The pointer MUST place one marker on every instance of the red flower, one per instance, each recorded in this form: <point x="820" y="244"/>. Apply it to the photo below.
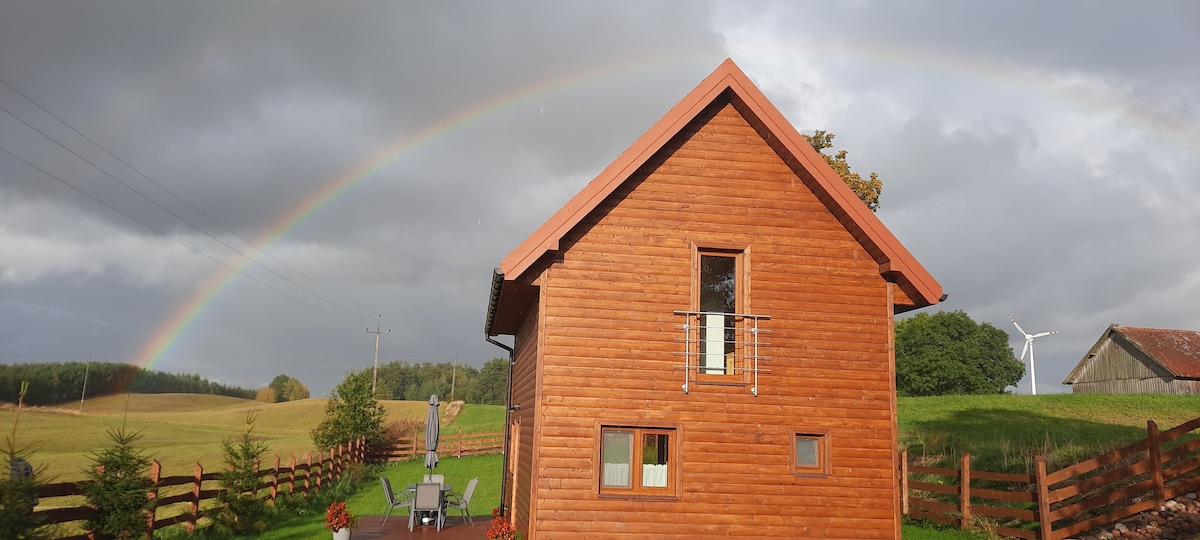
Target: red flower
<point x="337" y="517"/>
<point x="500" y="528"/>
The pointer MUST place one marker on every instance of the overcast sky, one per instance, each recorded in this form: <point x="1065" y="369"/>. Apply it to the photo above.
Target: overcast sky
<point x="237" y="189"/>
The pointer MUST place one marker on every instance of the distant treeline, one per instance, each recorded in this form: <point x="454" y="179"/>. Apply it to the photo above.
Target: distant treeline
<point x="402" y="380"/>
<point x="55" y="383"/>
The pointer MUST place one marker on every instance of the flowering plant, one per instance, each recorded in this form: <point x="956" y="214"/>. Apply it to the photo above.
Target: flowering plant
<point x="501" y="529"/>
<point x="337" y="517"/>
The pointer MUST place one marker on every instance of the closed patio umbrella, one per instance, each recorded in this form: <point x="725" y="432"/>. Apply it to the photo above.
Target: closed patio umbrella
<point x="431" y="434"/>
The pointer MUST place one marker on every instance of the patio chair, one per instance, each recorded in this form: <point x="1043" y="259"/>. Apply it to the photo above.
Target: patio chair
<point x="435" y="478"/>
<point x="428" y="498"/>
<point x="462" y="504"/>
<point x="393" y="501"/>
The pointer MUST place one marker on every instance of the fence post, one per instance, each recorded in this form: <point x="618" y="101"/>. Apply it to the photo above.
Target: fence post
<point x="904" y="482"/>
<point x="275" y="481"/>
<point x="1045" y="530"/>
<point x="194" y="505"/>
<point x="1160" y="497"/>
<point x="964" y="492"/>
<point x="460" y="441"/>
<point x="155" y="476"/>
<point x="337" y="468"/>
<point x="292" y="477"/>
<point x="308" y="475"/>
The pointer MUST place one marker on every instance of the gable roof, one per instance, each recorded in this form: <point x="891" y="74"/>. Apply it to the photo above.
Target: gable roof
<point x="1177" y="351"/>
<point x="728" y="82"/>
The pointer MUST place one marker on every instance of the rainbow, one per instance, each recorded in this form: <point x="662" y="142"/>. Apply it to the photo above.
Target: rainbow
<point x="175" y="326"/>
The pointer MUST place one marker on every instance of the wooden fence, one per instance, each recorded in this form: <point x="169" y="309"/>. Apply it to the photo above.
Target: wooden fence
<point x="1063" y="503"/>
<point x="179" y="499"/>
<point x="458" y="445"/>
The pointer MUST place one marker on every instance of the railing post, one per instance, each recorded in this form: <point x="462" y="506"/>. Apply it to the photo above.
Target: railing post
<point x="1045" y="530"/>
<point x="1160" y="489"/>
<point x="964" y="492"/>
<point x="155" y="477"/>
<point x="904" y="482"/>
<point x="194" y="504"/>
<point x="292" y="477"/>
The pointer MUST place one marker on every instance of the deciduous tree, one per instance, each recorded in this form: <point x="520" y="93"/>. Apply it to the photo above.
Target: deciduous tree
<point x="350" y="413"/>
<point x="949" y="353"/>
<point x="867" y="190"/>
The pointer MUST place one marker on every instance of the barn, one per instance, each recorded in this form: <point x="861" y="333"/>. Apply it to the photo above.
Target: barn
<point x="1133" y="360"/>
<point x="702" y="340"/>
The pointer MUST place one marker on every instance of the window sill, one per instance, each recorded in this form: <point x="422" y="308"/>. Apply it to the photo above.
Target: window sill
<point x="638" y="496"/>
<point x="810" y="474"/>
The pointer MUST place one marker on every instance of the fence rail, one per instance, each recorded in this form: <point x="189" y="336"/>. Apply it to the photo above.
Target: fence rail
<point x="62" y="503"/>
<point x="458" y="445"/>
<point x="1072" y="500"/>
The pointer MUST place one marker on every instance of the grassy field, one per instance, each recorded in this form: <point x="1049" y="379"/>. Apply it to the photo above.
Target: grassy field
<point x="180" y="430"/>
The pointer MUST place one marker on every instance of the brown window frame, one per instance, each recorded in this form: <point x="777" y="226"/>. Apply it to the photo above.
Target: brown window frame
<point x="636" y="489"/>
<point x="823" y="446"/>
<point x="737" y="372"/>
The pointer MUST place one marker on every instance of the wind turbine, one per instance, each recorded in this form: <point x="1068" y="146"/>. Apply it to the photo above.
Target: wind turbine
<point x="1029" y="348"/>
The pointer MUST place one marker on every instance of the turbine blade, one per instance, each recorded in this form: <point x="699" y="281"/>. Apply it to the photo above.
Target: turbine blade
<point x="1014" y="321"/>
<point x="1026" y="348"/>
<point x="1040" y="334"/>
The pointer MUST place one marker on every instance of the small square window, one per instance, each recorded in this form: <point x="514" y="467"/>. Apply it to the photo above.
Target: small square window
<point x="810" y="454"/>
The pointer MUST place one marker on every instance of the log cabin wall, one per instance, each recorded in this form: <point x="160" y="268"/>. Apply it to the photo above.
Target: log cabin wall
<point x="524" y="396"/>
<point x="610" y="355"/>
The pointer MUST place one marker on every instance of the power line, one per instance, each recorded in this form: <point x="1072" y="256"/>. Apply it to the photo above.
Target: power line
<point x="172" y="193"/>
<point x="156" y="203"/>
<point x="172" y="238"/>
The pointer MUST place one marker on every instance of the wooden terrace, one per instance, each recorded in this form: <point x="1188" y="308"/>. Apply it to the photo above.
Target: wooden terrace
<point x="456" y="528"/>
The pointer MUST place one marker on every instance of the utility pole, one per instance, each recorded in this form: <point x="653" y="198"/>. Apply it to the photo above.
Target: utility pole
<point x="85" y="374"/>
<point x="375" y="374"/>
<point x="453" y="375"/>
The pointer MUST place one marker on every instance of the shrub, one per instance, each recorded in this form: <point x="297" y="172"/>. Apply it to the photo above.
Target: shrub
<point x="18" y="496"/>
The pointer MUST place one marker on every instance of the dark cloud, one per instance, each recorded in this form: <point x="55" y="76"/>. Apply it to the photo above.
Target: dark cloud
<point x="1021" y="145"/>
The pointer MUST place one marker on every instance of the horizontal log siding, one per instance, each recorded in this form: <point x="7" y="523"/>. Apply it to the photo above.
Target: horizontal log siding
<point x="524" y="396"/>
<point x="610" y="354"/>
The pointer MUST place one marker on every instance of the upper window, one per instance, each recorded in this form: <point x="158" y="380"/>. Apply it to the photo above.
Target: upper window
<point x="637" y="461"/>
<point x="810" y="454"/>
<point x="719" y="290"/>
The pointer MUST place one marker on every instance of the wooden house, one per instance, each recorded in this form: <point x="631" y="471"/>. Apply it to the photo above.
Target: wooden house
<point x="703" y="340"/>
<point x="1132" y="360"/>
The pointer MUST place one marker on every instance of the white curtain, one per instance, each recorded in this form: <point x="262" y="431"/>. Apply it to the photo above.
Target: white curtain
<point x="654" y="475"/>
<point x="616" y="474"/>
<point x="714" y="344"/>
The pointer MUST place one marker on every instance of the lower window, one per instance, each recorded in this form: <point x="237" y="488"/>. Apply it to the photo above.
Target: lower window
<point x="637" y="460"/>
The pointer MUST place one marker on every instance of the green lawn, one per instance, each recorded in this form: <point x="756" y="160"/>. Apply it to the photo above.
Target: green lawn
<point x="1004" y="432"/>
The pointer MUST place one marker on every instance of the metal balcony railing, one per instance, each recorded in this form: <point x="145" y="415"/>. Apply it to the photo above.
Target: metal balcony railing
<point x="728" y="344"/>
